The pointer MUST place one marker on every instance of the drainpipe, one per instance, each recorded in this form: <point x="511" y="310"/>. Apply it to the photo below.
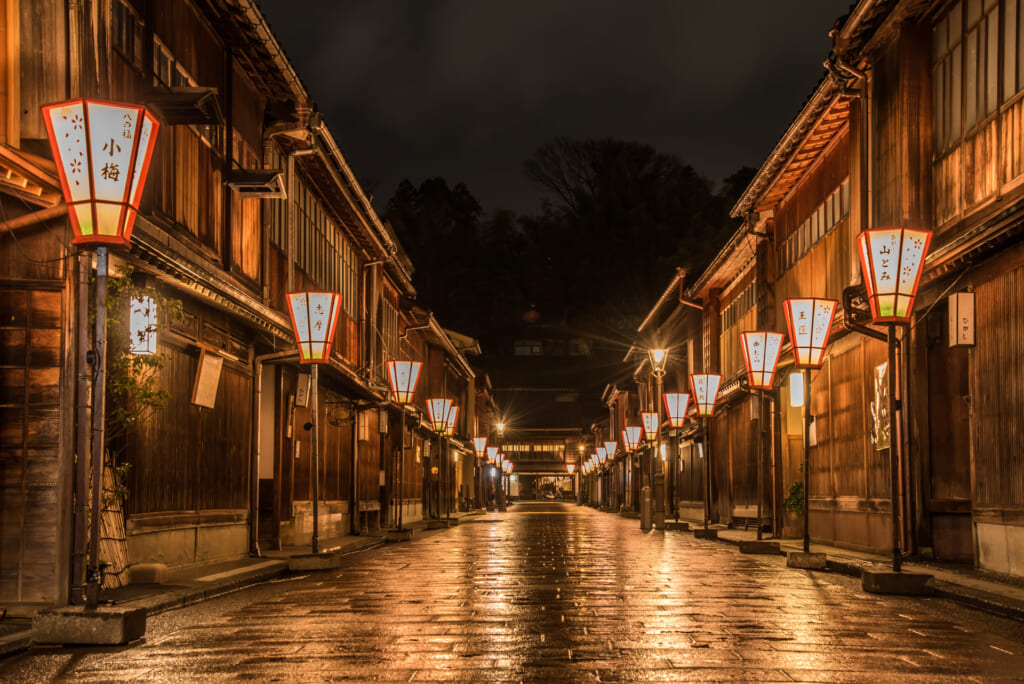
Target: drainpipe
<point x="354" y="525"/>
<point x="289" y="215"/>
<point x="254" y="444"/>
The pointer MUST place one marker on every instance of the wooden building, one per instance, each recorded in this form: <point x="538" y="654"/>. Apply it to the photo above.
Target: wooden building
<point x="248" y="198"/>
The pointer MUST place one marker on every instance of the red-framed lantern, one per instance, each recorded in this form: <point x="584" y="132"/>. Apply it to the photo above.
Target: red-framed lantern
<point x="809" y="321"/>
<point x="403" y="376"/>
<point x="891" y="261"/>
<point x="602" y="455"/>
<point x="761" y="356"/>
<point x="704" y="388"/>
<point x="650" y="420"/>
<point x="676" y="404"/>
<point x="453" y="416"/>
<point x="570" y="467"/>
<point x="314" y="318"/>
<point x="631" y="436"/>
<point x="480" y="445"/>
<point x="102" y="150"/>
<point x="610" y="448"/>
<point x="492" y="454"/>
<point x="437" y="414"/>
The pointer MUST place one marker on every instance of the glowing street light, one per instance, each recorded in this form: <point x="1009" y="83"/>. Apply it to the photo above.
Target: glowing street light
<point x="675" y="408"/>
<point x="631" y="437"/>
<point x="704" y="387"/>
<point x="402" y="377"/>
<point x="891" y="261"/>
<point x="102" y="152"/>
<point x="610" y="448"/>
<point x="437" y="412"/>
<point x="650" y="420"/>
<point x="761" y="356"/>
<point x="480" y="446"/>
<point x="809" y="321"/>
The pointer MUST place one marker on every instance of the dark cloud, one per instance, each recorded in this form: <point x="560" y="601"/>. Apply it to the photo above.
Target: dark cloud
<point x="468" y="89"/>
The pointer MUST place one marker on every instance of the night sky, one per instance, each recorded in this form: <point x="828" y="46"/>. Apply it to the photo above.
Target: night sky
<point x="468" y="89"/>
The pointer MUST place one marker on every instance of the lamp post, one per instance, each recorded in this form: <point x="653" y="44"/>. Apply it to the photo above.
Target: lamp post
<point x="480" y="447"/>
<point x="658" y="358"/>
<point x="891" y="261"/>
<point x="437" y="415"/>
<point x="675" y="411"/>
<point x="102" y="151"/>
<point x="704" y="387"/>
<point x="809" y="321"/>
<point x="761" y="355"/>
<point x="314" y="317"/>
<point x="609" y="449"/>
<point x="449" y="431"/>
<point x="402" y="377"/>
<point x="571" y="469"/>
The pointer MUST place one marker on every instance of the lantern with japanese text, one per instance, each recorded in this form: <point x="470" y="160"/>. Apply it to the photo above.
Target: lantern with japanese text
<point x="314" y="318"/>
<point x="102" y="150"/>
<point x="675" y="408"/>
<point x="891" y="261"/>
<point x="704" y="387"/>
<point x="453" y="416"/>
<point x="761" y="355"/>
<point x="809" y="321"/>
<point x="403" y="376"/>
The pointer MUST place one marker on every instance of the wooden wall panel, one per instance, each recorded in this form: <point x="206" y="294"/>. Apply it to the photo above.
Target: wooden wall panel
<point x="1012" y="132"/>
<point x="825" y="176"/>
<point x="947" y="187"/>
<point x="43" y="63"/>
<point x="979" y="165"/>
<point x="998" y="391"/>
<point x="30" y="429"/>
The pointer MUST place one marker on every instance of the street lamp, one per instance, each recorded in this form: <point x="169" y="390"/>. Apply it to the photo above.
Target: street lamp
<point x="102" y="151"/>
<point x="675" y="409"/>
<point x="402" y="377"/>
<point x="704" y="387"/>
<point x="314" y="318"/>
<point x="492" y="455"/>
<point x="658" y="358"/>
<point x="650" y="420"/>
<point x="761" y="356"/>
<point x="809" y="321"/>
<point x="891" y="260"/>
<point x="631" y="437"/>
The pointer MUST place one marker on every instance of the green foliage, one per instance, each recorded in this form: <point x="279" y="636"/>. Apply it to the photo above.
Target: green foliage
<point x="794" y="503"/>
<point x="133" y="383"/>
<point x="118" y="492"/>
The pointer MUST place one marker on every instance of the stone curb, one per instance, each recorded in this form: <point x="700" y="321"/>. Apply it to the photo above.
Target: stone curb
<point x="973" y="598"/>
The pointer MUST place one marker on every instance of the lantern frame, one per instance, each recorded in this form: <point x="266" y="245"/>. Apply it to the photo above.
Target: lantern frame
<point x="480" y="446"/>
<point x="492" y="454"/>
<point x="610" y="448"/>
<point x="650" y="420"/>
<point x="602" y="455"/>
<point x="314" y="330"/>
<point x="437" y="414"/>
<point x="453" y="416"/>
<point x="570" y="467"/>
<point x="631" y="436"/>
<point x="892" y="261"/>
<point x="403" y="376"/>
<point x="809" y="322"/>
<point x="704" y="391"/>
<point x="676" y="404"/>
<point x="761" y="363"/>
<point x="104" y="202"/>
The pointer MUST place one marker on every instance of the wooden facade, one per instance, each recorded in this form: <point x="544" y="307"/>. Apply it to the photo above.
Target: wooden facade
<point x="224" y="479"/>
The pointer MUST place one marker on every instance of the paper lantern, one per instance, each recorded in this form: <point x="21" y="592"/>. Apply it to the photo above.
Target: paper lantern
<point x="403" y="376"/>
<point x="891" y="261"/>
<point x="314" y="318"/>
<point x="809" y="321"/>
<point x="437" y="412"/>
<point x="675" y="408"/>
<point x="761" y="355"/>
<point x="704" y="387"/>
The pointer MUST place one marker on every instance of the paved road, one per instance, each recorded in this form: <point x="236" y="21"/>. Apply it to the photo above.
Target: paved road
<point x="551" y="592"/>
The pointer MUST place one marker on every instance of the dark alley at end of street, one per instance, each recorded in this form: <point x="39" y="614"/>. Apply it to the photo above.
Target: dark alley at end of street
<point x="553" y="592"/>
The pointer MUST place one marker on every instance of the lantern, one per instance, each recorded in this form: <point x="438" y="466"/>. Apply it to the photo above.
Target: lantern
<point x="403" y="376"/>
<point x="511" y="466"/>
<point x="499" y="459"/>
<point x="492" y="454"/>
<point x="102" y="150"/>
<point x="571" y="467"/>
<point x="453" y="415"/>
<point x="891" y="260"/>
<point x="658" y="358"/>
<point x="437" y="412"/>
<point x="631" y="436"/>
<point x="650" y="425"/>
<point x="143" y="325"/>
<point x="675" y="408"/>
<point x="480" y="444"/>
<point x="761" y="354"/>
<point x="314" y="318"/>
<point x="809" y="322"/>
<point x="610" y="448"/>
<point x="705" y="392"/>
<point x="602" y="455"/>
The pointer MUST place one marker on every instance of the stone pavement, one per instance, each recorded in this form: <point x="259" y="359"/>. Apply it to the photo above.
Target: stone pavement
<point x="552" y="592"/>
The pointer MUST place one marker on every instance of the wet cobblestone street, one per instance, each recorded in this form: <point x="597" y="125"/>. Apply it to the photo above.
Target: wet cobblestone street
<point x="552" y="592"/>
